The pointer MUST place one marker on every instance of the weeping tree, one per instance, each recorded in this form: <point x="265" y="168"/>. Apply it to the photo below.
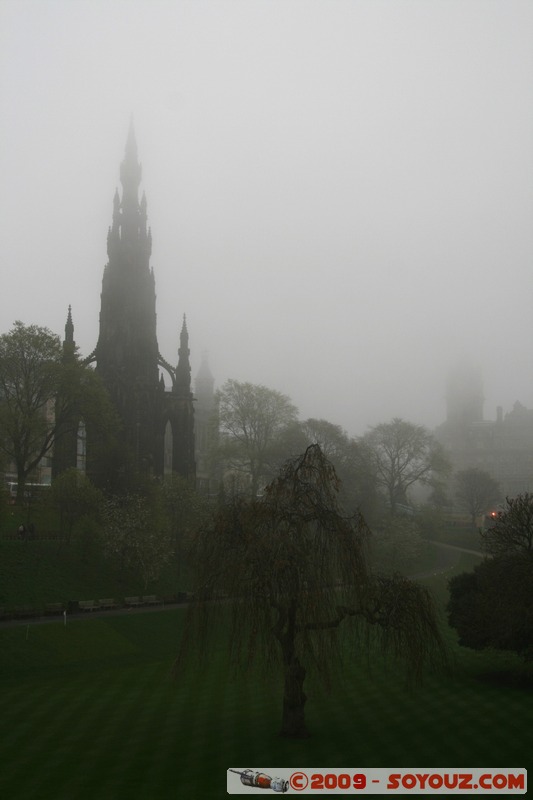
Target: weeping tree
<point x="294" y="569"/>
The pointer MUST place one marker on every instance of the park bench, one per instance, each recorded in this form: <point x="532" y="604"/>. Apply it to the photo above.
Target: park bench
<point x="133" y="601"/>
<point x="151" y="600"/>
<point x="107" y="603"/>
<point x="88" y="605"/>
<point x="53" y="608"/>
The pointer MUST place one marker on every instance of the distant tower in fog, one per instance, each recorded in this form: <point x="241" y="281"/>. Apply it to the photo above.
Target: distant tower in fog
<point x="127" y="354"/>
<point x="502" y="447"/>
<point x="464" y="395"/>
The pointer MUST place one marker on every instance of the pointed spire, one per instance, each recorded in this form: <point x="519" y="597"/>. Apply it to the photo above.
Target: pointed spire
<point x="129" y="215"/>
<point x="184" y="336"/>
<point x="69" y="345"/>
<point x="131" y="143"/>
<point x="183" y="370"/>
<point x="69" y="327"/>
<point x="130" y="175"/>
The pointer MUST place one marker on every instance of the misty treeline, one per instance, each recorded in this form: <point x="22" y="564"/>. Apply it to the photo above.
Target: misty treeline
<point x="258" y="430"/>
<point x="46" y="390"/>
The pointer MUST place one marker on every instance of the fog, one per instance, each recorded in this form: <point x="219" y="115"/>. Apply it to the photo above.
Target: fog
<point x="340" y="193"/>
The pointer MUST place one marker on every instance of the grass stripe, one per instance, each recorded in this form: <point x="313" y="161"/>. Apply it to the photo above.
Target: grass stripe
<point x="117" y="726"/>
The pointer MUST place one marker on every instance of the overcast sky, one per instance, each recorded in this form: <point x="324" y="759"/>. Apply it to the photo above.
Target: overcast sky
<point x="340" y="191"/>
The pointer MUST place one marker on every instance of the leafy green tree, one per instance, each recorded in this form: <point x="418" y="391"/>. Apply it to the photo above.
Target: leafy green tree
<point x="252" y="420"/>
<point x="30" y="359"/>
<point x="43" y="396"/>
<point x="295" y="569"/>
<point x="133" y="533"/>
<point x="75" y="497"/>
<point x="512" y="531"/>
<point x="404" y="454"/>
<point x="476" y="492"/>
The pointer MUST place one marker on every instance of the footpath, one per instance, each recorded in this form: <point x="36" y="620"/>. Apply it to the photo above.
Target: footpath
<point x="448" y="558"/>
<point x="45" y="619"/>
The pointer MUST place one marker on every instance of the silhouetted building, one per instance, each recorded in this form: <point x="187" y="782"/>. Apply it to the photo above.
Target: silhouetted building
<point x="127" y="354"/>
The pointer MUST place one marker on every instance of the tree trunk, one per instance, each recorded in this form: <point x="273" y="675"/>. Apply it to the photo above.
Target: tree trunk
<point x="293" y="717"/>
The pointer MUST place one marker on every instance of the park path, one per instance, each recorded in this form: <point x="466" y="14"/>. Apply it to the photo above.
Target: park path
<point x="117" y="612"/>
<point x="450" y="555"/>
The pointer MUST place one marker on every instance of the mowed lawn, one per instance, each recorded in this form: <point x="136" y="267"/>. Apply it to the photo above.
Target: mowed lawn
<point x="90" y="711"/>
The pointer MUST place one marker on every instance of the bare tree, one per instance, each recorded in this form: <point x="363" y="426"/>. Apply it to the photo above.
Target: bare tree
<point x="295" y="569"/>
<point x="251" y="419"/>
<point x="404" y="454"/>
<point x="476" y="491"/>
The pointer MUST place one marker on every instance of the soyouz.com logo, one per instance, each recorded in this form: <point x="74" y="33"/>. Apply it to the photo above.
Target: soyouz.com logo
<point x="439" y="780"/>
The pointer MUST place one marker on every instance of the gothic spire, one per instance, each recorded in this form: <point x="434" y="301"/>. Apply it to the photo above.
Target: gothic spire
<point x="128" y="232"/>
<point x="131" y="143"/>
<point x="183" y="370"/>
<point x="69" y="345"/>
<point x="69" y="327"/>
<point x="130" y="178"/>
